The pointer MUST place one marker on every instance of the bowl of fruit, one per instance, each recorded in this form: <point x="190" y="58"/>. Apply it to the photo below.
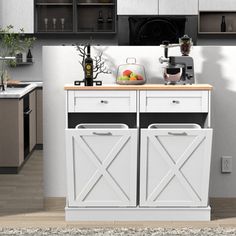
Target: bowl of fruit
<point x="131" y="73"/>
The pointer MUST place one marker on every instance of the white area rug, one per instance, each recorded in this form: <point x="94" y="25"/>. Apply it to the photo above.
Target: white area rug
<point x="120" y="231"/>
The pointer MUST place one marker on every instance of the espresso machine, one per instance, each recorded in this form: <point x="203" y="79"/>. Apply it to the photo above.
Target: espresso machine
<point x="178" y="69"/>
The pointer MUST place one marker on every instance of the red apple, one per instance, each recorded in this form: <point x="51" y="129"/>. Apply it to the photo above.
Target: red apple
<point x="127" y="73"/>
<point x="139" y="77"/>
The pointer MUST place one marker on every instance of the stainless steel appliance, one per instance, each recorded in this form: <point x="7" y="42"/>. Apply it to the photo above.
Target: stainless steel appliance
<point x="152" y="30"/>
<point x="177" y="69"/>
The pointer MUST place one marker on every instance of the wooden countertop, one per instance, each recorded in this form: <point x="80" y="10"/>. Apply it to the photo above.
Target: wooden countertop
<point x="141" y="87"/>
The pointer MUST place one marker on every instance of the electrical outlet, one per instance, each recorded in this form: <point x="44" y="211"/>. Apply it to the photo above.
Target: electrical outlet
<point x="226" y="164"/>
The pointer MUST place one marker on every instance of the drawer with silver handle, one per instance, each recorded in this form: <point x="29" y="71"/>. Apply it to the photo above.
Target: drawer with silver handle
<point x="174" y="101"/>
<point x="102" y="101"/>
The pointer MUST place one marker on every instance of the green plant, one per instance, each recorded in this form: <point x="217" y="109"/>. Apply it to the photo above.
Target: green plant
<point x="12" y="43"/>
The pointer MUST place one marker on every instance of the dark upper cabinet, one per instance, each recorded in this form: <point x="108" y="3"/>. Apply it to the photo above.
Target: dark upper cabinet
<point x="54" y="16"/>
<point x="96" y="16"/>
<point x="75" y="16"/>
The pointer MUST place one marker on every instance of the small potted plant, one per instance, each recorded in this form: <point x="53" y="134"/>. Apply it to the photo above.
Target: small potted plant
<point x="12" y="45"/>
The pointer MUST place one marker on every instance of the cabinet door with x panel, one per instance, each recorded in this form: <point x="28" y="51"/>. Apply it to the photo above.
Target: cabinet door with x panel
<point x="102" y="167"/>
<point x="174" y="168"/>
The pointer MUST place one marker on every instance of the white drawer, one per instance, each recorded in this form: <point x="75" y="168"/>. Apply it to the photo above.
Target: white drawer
<point x="174" y="101"/>
<point x="102" y="101"/>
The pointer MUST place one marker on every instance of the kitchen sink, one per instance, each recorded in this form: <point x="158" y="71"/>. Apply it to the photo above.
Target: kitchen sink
<point x="17" y="85"/>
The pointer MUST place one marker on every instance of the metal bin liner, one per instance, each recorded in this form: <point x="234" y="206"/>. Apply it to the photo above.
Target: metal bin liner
<point x="102" y="126"/>
<point x="174" y="126"/>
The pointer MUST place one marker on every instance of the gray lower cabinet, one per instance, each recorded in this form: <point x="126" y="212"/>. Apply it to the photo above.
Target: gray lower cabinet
<point x="11" y="133"/>
<point x="17" y="131"/>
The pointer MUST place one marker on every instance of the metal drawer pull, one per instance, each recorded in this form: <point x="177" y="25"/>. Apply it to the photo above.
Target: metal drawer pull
<point x="178" y="134"/>
<point x="176" y="101"/>
<point x="27" y="112"/>
<point x="104" y="101"/>
<point x="102" y="134"/>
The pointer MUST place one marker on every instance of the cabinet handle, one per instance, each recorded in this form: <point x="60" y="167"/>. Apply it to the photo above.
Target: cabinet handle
<point x="104" y="101"/>
<point x="26" y="113"/>
<point x="102" y="134"/>
<point x="178" y="134"/>
<point x="176" y="102"/>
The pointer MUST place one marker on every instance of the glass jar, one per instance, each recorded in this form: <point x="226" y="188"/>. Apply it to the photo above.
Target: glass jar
<point x="185" y="45"/>
<point x="131" y="73"/>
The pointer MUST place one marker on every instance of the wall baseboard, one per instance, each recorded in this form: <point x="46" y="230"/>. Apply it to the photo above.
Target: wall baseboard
<point x="217" y="204"/>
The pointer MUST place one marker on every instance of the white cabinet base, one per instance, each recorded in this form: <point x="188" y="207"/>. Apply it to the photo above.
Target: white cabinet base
<point x="138" y="214"/>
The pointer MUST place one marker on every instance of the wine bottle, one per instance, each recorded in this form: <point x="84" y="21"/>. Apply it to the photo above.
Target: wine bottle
<point x="100" y="20"/>
<point x="88" y="68"/>
<point x="29" y="57"/>
<point x="223" y="24"/>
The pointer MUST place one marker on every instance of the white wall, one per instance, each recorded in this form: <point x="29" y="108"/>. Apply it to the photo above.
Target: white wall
<point x="214" y="65"/>
<point x="34" y="72"/>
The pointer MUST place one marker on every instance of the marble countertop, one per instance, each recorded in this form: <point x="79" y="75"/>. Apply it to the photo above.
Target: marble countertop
<point x="20" y="92"/>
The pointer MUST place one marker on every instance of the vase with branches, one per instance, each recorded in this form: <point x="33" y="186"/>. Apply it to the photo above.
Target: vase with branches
<point x="99" y="64"/>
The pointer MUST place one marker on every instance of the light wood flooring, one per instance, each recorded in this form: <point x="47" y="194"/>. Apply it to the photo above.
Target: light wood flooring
<point x="22" y="205"/>
<point x="24" y="191"/>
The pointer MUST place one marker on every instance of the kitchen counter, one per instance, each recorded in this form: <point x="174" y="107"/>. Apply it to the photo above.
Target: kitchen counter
<point x="141" y="87"/>
<point x="20" y="92"/>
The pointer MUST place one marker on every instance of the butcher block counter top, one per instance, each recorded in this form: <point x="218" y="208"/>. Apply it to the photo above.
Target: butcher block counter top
<point x="141" y="87"/>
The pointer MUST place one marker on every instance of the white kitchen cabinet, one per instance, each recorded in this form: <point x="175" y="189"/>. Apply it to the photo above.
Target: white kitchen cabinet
<point x="19" y="13"/>
<point x="101" y="166"/>
<point x="137" y="7"/>
<point x="217" y="5"/>
<point x="178" y="7"/>
<point x="134" y="173"/>
<point x="175" y="167"/>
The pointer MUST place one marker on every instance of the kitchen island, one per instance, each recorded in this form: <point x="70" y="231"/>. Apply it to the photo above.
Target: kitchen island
<point x="138" y="152"/>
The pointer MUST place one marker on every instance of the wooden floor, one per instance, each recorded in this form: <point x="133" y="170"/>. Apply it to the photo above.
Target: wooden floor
<point x="21" y="205"/>
<point x="23" y="191"/>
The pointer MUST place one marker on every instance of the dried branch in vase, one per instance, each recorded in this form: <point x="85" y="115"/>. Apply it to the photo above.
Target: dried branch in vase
<point x="99" y="64"/>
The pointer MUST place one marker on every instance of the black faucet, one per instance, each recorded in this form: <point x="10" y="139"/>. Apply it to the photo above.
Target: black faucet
<point x="2" y="87"/>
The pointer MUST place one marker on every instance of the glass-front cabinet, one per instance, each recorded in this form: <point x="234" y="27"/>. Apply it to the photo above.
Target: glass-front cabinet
<point x="54" y="16"/>
<point x="75" y="16"/>
<point x="96" y="15"/>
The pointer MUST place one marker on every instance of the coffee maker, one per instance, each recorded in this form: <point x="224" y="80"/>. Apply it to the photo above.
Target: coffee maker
<point x="178" y="69"/>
